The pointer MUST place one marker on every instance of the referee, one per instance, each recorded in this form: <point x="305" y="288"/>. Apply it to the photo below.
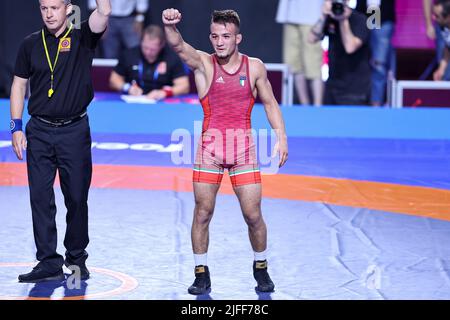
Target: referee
<point x="57" y="60"/>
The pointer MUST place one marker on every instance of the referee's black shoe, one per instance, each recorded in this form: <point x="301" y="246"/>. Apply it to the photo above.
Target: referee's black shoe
<point x="202" y="281"/>
<point x="83" y="270"/>
<point x="264" y="283"/>
<point x="39" y="274"/>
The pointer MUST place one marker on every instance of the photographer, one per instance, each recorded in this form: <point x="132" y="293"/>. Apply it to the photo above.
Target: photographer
<point x="349" y="79"/>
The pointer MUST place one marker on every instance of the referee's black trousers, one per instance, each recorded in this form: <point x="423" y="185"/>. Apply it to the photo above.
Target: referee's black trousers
<point x="66" y="150"/>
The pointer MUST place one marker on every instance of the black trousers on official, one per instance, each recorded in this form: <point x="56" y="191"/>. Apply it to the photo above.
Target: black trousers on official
<point x="66" y="150"/>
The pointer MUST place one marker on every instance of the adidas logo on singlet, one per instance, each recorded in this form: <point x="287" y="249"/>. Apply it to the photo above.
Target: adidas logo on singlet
<point x="220" y="80"/>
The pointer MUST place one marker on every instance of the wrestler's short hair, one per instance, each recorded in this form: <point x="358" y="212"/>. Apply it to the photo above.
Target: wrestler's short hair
<point x="226" y="16"/>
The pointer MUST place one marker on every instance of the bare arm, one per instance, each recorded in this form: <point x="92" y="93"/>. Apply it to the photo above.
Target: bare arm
<point x="431" y="33"/>
<point x="99" y="18"/>
<point x="444" y="62"/>
<point x="181" y="85"/>
<point x="116" y="81"/>
<point x="272" y="108"/>
<point x="446" y="57"/>
<point x="427" y="11"/>
<point x="440" y="72"/>
<point x="317" y="31"/>
<point x="195" y="59"/>
<point x="18" y="91"/>
<point x="192" y="57"/>
<point x="350" y="42"/>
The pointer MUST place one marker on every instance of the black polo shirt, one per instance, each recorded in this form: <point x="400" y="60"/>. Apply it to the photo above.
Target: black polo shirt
<point x="72" y="76"/>
<point x="150" y="76"/>
<point x="349" y="72"/>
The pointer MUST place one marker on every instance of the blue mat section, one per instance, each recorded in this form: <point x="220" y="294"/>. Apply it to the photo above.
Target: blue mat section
<point x="409" y="162"/>
<point x="355" y="122"/>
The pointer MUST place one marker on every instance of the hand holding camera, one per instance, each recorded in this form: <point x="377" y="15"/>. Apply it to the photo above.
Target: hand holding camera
<point x="336" y="9"/>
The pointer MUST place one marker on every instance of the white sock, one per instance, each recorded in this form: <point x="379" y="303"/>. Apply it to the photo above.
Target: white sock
<point x="201" y="259"/>
<point x="260" y="256"/>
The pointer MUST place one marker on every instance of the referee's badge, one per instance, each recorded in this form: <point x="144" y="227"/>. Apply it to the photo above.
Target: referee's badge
<point x="64" y="44"/>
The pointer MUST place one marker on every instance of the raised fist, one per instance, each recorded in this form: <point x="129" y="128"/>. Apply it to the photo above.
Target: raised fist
<point x="171" y="16"/>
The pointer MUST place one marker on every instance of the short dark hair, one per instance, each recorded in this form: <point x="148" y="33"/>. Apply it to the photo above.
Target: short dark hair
<point x="226" y="16"/>
<point x="445" y="7"/>
<point x="154" y="31"/>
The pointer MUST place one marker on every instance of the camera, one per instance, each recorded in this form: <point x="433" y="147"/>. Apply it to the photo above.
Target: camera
<point x="337" y="7"/>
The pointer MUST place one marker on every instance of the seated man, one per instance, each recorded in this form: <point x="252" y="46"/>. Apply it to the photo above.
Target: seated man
<point x="153" y="69"/>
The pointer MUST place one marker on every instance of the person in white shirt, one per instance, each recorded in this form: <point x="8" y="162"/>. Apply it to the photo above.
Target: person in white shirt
<point x="304" y="59"/>
<point x="125" y="26"/>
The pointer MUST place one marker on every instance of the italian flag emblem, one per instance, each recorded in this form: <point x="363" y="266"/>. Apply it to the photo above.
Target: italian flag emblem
<point x="242" y="80"/>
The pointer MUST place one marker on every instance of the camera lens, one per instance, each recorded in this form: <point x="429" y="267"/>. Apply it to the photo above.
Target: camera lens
<point x="337" y="8"/>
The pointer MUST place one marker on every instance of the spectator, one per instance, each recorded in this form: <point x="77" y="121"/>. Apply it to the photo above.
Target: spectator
<point x="304" y="58"/>
<point x="153" y="69"/>
<point x="439" y="32"/>
<point x="125" y="26"/>
<point x="349" y="80"/>
<point x="382" y="52"/>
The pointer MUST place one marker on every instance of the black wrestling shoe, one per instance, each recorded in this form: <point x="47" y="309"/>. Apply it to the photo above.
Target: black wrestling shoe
<point x="264" y="283"/>
<point x="84" y="272"/>
<point x="202" y="281"/>
<point x="38" y="274"/>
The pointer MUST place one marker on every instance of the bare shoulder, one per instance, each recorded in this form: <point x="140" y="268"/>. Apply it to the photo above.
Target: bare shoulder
<point x="255" y="62"/>
<point x="206" y="57"/>
<point x="205" y="61"/>
<point x="257" y="67"/>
